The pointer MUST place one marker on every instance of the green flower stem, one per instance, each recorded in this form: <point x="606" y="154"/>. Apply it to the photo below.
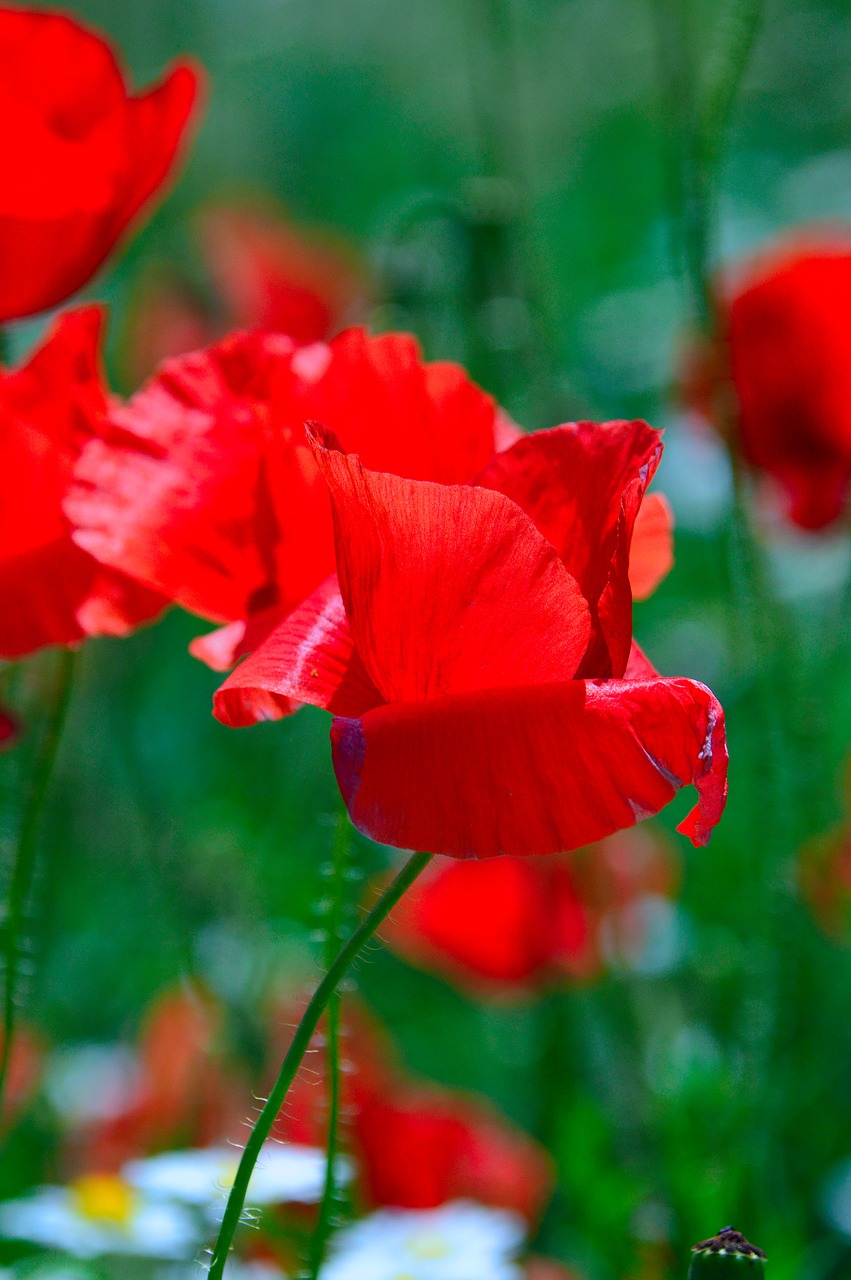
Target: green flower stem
<point x="318" y="1004"/>
<point x="323" y="1228"/>
<point x="23" y="864"/>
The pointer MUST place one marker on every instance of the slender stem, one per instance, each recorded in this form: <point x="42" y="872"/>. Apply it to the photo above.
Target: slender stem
<point x="300" y="1042"/>
<point x="23" y="865"/>
<point x="322" y="1230"/>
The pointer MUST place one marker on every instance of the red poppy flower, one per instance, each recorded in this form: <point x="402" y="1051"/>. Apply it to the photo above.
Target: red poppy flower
<point x="26" y="1065"/>
<point x="463" y="1147"/>
<point x="789" y="345"/>
<point x="81" y="156"/>
<point x="206" y="489"/>
<point x="9" y="729"/>
<point x="477" y="665"/>
<point x="53" y="592"/>
<point x="544" y="919"/>
<point x="271" y="275"/>
<point x="180" y="1090"/>
<point x="263" y="272"/>
<point x="536" y="926"/>
<point x="651" y="556"/>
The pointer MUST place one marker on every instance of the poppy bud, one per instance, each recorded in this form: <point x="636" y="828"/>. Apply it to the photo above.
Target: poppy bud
<point x="727" y="1254"/>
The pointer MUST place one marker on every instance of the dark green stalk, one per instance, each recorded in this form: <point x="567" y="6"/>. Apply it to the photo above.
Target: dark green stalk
<point x="505" y="258"/>
<point x="300" y="1042"/>
<point x="759" y="625"/>
<point x="323" y="1228"/>
<point x="23" y="864"/>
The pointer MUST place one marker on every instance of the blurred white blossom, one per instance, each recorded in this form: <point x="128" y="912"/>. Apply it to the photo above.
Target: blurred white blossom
<point x="101" y="1214"/>
<point x="202" y="1177"/>
<point x="458" y="1241"/>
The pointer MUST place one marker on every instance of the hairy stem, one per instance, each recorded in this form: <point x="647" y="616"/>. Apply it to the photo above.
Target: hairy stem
<point x="322" y="1230"/>
<point x="300" y="1042"/>
<point x="23" y="863"/>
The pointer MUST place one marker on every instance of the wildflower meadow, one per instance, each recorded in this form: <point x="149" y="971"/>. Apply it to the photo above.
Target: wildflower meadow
<point x="425" y="659"/>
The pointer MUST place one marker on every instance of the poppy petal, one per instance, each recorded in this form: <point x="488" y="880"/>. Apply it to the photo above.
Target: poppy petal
<point x="465" y="1150"/>
<point x="448" y="587"/>
<point x="81" y="155"/>
<point x="535" y="923"/>
<point x="582" y="484"/>
<point x="170" y="495"/>
<point x="309" y="657"/>
<point x="639" y="666"/>
<point x="53" y="592"/>
<point x="535" y="769"/>
<point x="156" y="126"/>
<point x="271" y="275"/>
<point x="651" y="555"/>
<point x="397" y="413"/>
<point x="207" y="491"/>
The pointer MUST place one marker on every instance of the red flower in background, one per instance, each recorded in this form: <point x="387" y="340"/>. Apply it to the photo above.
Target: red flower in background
<point x="417" y="1145"/>
<point x="544" y="917"/>
<point x="264" y="273"/>
<point x="181" y="1092"/>
<point x="651" y="555"/>
<point x="789" y="351"/>
<point x="824" y="874"/>
<point x="476" y="655"/>
<point x="271" y="275"/>
<point x="207" y="491"/>
<point x="9" y="729"/>
<point x="26" y="1065"/>
<point x="53" y="592"/>
<point x="81" y="157"/>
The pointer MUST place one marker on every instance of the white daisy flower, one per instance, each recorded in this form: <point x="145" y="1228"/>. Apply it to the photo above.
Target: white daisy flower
<point x="458" y="1241"/>
<point x="203" y="1177"/>
<point x="100" y="1214"/>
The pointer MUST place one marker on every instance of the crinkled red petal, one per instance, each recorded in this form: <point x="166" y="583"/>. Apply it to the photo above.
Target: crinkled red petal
<point x="309" y="657"/>
<point x="448" y="588"/>
<point x="582" y="485"/>
<point x="533" y="769"/>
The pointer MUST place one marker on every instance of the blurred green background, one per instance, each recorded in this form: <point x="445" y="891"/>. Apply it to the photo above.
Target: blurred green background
<point x="506" y="168"/>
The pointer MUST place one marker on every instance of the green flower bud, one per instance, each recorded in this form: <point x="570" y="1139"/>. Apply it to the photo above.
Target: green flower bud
<point x="727" y="1255"/>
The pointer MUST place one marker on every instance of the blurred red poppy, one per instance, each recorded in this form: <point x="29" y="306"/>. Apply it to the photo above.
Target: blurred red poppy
<point x="206" y="490"/>
<point x="651" y="556"/>
<point x="789" y="350"/>
<point x="180" y="1091"/>
<point x="824" y="871"/>
<point x="81" y="156"/>
<point x="537" y="1267"/>
<point x="263" y="271"/>
<point x="545" y="916"/>
<point x="463" y="1147"/>
<point x="475" y="656"/>
<point x="271" y="275"/>
<point x="536" y="927"/>
<point x="55" y="593"/>
<point x="9" y="729"/>
<point x="26" y="1067"/>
